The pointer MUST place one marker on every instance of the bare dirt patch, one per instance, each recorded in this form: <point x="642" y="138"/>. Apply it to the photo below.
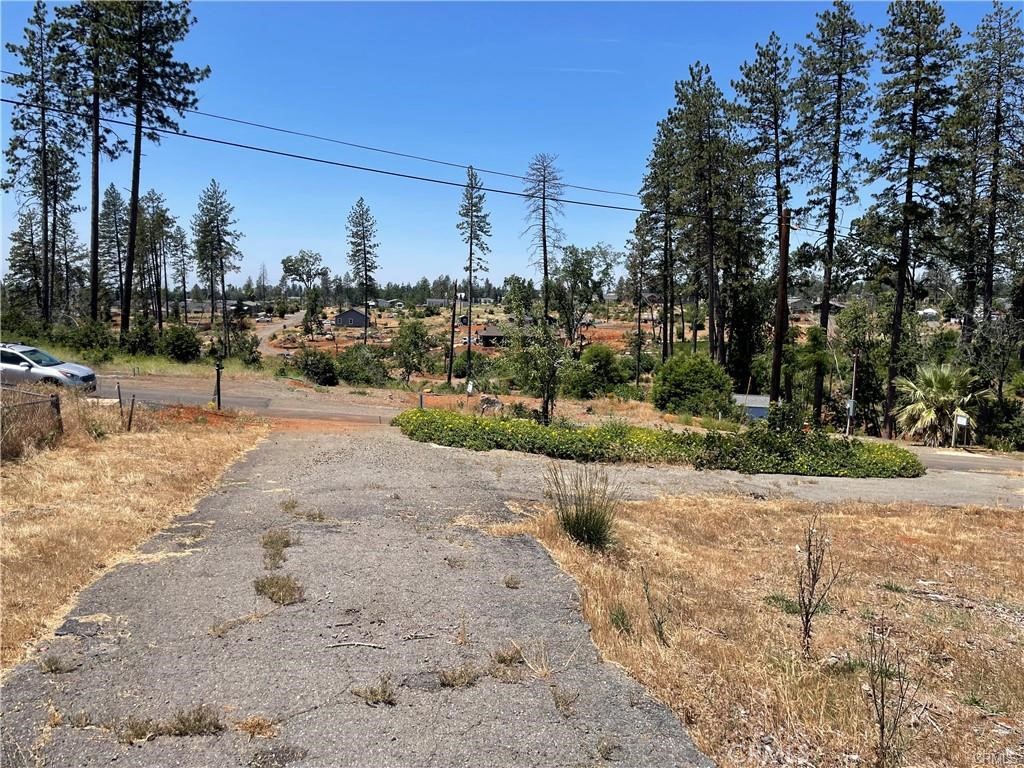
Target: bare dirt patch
<point x="946" y="584"/>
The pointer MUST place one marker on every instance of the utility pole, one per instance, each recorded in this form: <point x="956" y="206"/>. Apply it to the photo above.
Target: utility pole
<point x="781" y="306"/>
<point x="451" y="349"/>
<point x="853" y="394"/>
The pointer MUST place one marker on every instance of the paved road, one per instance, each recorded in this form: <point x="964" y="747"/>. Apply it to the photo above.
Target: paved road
<point x="277" y="399"/>
<point x="393" y="586"/>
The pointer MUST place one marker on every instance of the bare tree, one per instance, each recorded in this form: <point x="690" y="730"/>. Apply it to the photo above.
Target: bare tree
<point x="543" y="191"/>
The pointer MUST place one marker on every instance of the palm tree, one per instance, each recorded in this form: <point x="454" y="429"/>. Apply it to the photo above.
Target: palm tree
<point x="940" y="394"/>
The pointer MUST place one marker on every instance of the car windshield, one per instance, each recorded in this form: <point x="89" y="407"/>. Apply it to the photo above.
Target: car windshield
<point x="39" y="357"/>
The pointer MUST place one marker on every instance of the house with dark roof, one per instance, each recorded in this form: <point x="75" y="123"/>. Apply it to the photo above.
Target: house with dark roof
<point x="491" y="336"/>
<point x="351" y="318"/>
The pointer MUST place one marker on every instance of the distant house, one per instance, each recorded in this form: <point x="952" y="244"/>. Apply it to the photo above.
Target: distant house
<point x="485" y="300"/>
<point x="436" y="303"/>
<point x="834" y="307"/>
<point x="393" y="303"/>
<point x="351" y="318"/>
<point x="929" y="315"/>
<point x="755" y="406"/>
<point x="799" y="305"/>
<point x="491" y="336"/>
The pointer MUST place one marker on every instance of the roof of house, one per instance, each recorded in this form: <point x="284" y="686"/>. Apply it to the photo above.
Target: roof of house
<point x="751" y="401"/>
<point x="491" y="330"/>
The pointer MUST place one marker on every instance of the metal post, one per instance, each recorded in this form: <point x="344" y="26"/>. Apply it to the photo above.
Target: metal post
<point x="421" y="401"/>
<point x="853" y="394"/>
<point x="120" y="403"/>
<point x="219" y="366"/>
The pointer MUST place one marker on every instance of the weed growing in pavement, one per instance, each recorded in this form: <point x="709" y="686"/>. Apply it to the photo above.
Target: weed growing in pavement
<point x="564" y="698"/>
<point x="257" y="727"/>
<point x="283" y="590"/>
<point x="382" y="692"/>
<point x="461" y="676"/>
<point x="513" y="582"/>
<point x="274" y="542"/>
<point x="54" y="664"/>
<point x="202" y="720"/>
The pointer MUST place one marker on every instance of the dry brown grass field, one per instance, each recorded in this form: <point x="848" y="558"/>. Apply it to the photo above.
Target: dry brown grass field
<point x="947" y="584"/>
<point x="71" y="512"/>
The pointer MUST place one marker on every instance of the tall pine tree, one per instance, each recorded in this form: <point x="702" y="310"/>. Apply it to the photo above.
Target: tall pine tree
<point x="832" y="102"/>
<point x="362" y="255"/>
<point x="919" y="53"/>
<point x="475" y="227"/>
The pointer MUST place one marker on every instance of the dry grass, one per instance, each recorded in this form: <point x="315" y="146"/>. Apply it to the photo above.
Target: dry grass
<point x="947" y="584"/>
<point x="462" y="676"/>
<point x="275" y="542"/>
<point x="381" y="692"/>
<point x="256" y="727"/>
<point x="283" y="590"/>
<point x="72" y="512"/>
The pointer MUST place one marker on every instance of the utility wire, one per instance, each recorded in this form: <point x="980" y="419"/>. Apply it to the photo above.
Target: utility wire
<point x="771" y="218"/>
<point x="394" y="153"/>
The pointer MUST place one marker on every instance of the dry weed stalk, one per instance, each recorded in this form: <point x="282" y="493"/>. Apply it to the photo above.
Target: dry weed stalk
<point x="891" y="693"/>
<point x="817" y="572"/>
<point x="658" y="614"/>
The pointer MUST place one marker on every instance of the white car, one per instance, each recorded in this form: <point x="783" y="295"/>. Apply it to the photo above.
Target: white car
<point x="22" y="364"/>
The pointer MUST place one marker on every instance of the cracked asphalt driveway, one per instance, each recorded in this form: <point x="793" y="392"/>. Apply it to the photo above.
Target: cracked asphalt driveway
<point x="394" y="586"/>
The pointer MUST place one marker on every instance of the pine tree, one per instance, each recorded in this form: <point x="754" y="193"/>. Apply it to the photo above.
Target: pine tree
<point x="180" y="262"/>
<point x="156" y="85"/>
<point x="23" y="280"/>
<point x="42" y="140"/>
<point x="657" y="195"/>
<point x="475" y="227"/>
<point x="113" y="228"/>
<point x="89" y="28"/>
<point x="995" y="72"/>
<point x="919" y="51"/>
<point x="639" y="262"/>
<point x="543" y="190"/>
<point x="362" y="255"/>
<point x="832" y="99"/>
<point x="215" y="246"/>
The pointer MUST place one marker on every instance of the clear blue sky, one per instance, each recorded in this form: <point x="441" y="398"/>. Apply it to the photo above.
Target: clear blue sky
<point x="483" y="83"/>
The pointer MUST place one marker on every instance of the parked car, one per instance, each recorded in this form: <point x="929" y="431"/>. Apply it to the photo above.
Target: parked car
<point x="22" y="364"/>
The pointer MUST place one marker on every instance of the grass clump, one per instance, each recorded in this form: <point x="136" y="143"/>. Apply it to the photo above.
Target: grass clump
<point x="382" y="692"/>
<point x="53" y="664"/>
<point x="764" y="448"/>
<point x="203" y="720"/>
<point x="513" y="582"/>
<point x="584" y="504"/>
<point x="461" y="676"/>
<point x="283" y="590"/>
<point x="135" y="729"/>
<point x="274" y="542"/>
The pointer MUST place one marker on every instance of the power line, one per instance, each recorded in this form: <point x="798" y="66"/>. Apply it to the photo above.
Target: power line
<point x="394" y="153"/>
<point x="771" y="218"/>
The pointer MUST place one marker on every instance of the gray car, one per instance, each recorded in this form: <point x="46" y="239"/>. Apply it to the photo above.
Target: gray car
<point x="22" y="364"/>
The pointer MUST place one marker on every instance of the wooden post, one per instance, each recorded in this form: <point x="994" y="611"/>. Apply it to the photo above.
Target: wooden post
<point x="131" y="413"/>
<point x="219" y="366"/>
<point x="55" y="407"/>
<point x="120" y="403"/>
<point x="781" y="307"/>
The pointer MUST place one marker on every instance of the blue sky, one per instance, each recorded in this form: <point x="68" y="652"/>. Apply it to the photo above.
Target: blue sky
<point x="484" y="83"/>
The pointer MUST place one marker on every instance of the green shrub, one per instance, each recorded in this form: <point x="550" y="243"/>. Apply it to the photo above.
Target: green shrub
<point x="761" y="449"/>
<point x="598" y="371"/>
<point x="246" y="347"/>
<point x="694" y="384"/>
<point x="317" y="366"/>
<point x="362" y="364"/>
<point x="85" y="336"/>
<point x="584" y="504"/>
<point x="181" y="343"/>
<point x="141" y="338"/>
<point x="481" y="365"/>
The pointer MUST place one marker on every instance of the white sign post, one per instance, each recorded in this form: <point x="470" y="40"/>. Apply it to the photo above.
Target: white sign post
<point x="960" y="421"/>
